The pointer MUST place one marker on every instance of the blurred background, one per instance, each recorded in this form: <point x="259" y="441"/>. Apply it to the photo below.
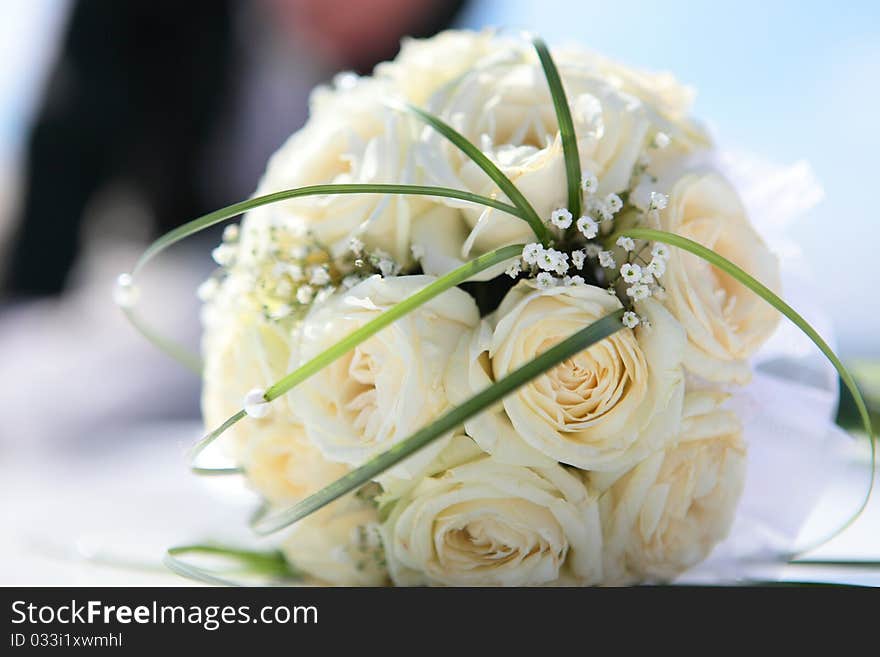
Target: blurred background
<point x="121" y="120"/>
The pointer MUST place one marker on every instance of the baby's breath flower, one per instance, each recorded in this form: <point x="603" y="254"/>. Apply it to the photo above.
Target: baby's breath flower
<point x="545" y="280"/>
<point x="532" y="252"/>
<point x="231" y="233"/>
<point x="305" y="294"/>
<point x="573" y="281"/>
<point x="387" y="267"/>
<point x="577" y="258"/>
<point x="606" y="259"/>
<point x="299" y="252"/>
<point x="592" y="250"/>
<point x="613" y="203"/>
<point x="638" y="291"/>
<point x="514" y="269"/>
<point x="588" y="227"/>
<point x="281" y="311"/>
<point x="660" y="250"/>
<point x="658" y="201"/>
<point x="661" y="140"/>
<point x="356" y="246"/>
<point x="626" y="243"/>
<point x="552" y="260"/>
<point x="207" y="290"/>
<point x="657" y="267"/>
<point x="589" y="183"/>
<point x="561" y="218"/>
<point x="631" y="273"/>
<point x="630" y="319"/>
<point x="255" y="404"/>
<point x="561" y="264"/>
<point x="224" y="255"/>
<point x="319" y="276"/>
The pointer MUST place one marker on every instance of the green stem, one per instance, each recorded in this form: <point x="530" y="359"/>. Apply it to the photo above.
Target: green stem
<point x="353" y="339"/>
<point x="574" y="344"/>
<point x="566" y="126"/>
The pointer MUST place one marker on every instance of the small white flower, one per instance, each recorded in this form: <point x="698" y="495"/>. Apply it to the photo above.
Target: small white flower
<point x="305" y="294"/>
<point x="281" y="311"/>
<point x="299" y="252"/>
<point x="545" y="280"/>
<point x="255" y="404"/>
<point x="630" y="319"/>
<point x="230" y="233"/>
<point x="320" y="276"/>
<point x="638" y="291"/>
<point x="207" y="290"/>
<point x="626" y="243"/>
<point x="658" y="201"/>
<point x="532" y="252"/>
<point x="387" y="267"/>
<point x="561" y="263"/>
<point x="224" y="255"/>
<point x="660" y="250"/>
<point x="589" y="183"/>
<point x="606" y="259"/>
<point x="588" y="227"/>
<point x="561" y="218"/>
<point x="552" y="260"/>
<point x="573" y="281"/>
<point x="514" y="269"/>
<point x="577" y="258"/>
<point x="296" y="273"/>
<point x="613" y="203"/>
<point x="657" y="267"/>
<point x="631" y="273"/>
<point x="356" y="246"/>
<point x="592" y="250"/>
<point x="661" y="140"/>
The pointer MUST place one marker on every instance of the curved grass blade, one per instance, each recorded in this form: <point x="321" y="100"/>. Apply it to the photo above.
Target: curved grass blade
<point x="267" y="564"/>
<point x="504" y="183"/>
<point x="213" y="218"/>
<point x="566" y="126"/>
<point x="581" y="340"/>
<point x="179" y="353"/>
<point x="765" y="293"/>
<point x="353" y="339"/>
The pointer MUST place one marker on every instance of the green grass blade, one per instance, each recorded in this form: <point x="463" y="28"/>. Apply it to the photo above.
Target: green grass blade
<point x="352" y="340"/>
<point x="566" y="126"/>
<point x="504" y="183"/>
<point x="768" y="295"/>
<point x="581" y="340"/>
<point x="213" y="218"/>
<point x="267" y="564"/>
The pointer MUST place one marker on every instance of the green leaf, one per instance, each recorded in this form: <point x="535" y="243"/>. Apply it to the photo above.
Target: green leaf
<point x="264" y="564"/>
<point x="566" y="126"/>
<point x="213" y="218"/>
<point x="504" y="183"/>
<point x="574" y="344"/>
<point x="770" y="297"/>
<point x="353" y="339"/>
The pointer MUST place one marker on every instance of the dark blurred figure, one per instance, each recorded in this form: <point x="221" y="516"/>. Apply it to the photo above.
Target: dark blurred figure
<point x="142" y="88"/>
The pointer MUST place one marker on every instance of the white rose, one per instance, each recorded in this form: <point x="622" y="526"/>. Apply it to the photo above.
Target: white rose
<point x="485" y="523"/>
<point x="667" y="513"/>
<point x="425" y="65"/>
<point x="351" y="137"/>
<point x="726" y="322"/>
<point x="605" y="408"/>
<point x="390" y="385"/>
<point x="339" y="544"/>
<point x="507" y="111"/>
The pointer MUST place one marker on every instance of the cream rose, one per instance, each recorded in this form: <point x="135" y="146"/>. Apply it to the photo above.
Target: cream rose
<point x="389" y="386"/>
<point x="485" y="523"/>
<point x="351" y="137"/>
<point x="667" y="513"/>
<point x="340" y="545"/>
<point x="507" y="111"/>
<point x="605" y="408"/>
<point x="726" y="322"/>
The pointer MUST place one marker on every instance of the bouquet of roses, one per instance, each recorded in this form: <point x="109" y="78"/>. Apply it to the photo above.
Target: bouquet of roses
<point x="480" y="321"/>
